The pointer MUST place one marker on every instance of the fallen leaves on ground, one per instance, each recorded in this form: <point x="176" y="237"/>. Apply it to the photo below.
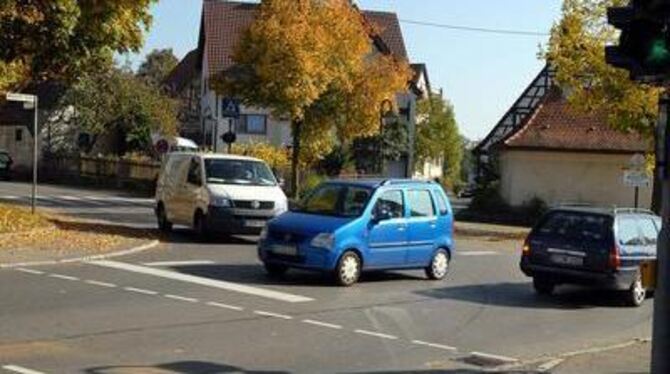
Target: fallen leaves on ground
<point x="19" y="229"/>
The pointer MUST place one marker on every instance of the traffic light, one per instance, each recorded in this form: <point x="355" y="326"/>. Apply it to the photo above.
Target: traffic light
<point x="644" y="44"/>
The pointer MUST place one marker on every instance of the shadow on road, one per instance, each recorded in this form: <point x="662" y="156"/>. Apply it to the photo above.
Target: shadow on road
<point x="255" y="274"/>
<point x="187" y="236"/>
<point x="179" y="367"/>
<point x="521" y="295"/>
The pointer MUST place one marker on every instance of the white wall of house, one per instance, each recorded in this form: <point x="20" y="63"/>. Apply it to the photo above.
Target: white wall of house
<point x="18" y="142"/>
<point x="562" y="177"/>
<point x="430" y="169"/>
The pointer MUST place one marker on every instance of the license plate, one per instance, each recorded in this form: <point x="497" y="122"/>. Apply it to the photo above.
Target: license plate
<point x="254" y="223"/>
<point x="286" y="250"/>
<point x="567" y="260"/>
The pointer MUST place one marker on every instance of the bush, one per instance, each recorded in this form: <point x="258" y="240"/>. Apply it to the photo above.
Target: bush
<point x="487" y="199"/>
<point x="533" y="209"/>
<point x="276" y="157"/>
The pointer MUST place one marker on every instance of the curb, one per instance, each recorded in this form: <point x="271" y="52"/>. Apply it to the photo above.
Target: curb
<point x="141" y="248"/>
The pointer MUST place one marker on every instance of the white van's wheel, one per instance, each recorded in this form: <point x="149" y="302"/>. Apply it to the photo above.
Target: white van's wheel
<point x="200" y="225"/>
<point x="163" y="223"/>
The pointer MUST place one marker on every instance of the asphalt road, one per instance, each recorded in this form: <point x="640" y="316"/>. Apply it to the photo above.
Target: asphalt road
<point x="191" y="308"/>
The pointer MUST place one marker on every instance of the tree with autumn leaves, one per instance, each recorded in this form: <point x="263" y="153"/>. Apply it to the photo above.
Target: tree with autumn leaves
<point x="314" y="62"/>
<point x="576" y="51"/>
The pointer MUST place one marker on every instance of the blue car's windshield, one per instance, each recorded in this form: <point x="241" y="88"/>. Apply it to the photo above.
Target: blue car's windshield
<point x="336" y="200"/>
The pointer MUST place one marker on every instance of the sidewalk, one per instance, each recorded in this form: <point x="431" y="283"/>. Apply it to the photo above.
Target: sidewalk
<point x="490" y="231"/>
<point x="633" y="359"/>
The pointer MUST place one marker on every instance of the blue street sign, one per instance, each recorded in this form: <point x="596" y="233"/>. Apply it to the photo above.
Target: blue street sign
<point x="230" y="108"/>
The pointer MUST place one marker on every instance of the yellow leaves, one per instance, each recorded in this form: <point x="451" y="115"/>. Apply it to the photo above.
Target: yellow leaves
<point x="277" y="158"/>
<point x="21" y="230"/>
<point x="11" y="74"/>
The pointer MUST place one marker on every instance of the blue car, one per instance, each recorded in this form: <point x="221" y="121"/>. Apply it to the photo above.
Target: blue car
<point x="347" y="227"/>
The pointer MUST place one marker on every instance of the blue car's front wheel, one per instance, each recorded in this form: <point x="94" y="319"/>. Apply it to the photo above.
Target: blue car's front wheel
<point x="348" y="269"/>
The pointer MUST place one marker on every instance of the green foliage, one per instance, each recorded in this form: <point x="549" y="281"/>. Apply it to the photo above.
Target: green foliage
<point x="577" y="51"/>
<point x="115" y="102"/>
<point x="61" y="39"/>
<point x="368" y="153"/>
<point x="335" y="162"/>
<point x="157" y="65"/>
<point x="437" y="136"/>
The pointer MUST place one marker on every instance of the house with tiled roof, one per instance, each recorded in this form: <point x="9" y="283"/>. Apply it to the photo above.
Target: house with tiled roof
<point x="222" y="26"/>
<point x="561" y="155"/>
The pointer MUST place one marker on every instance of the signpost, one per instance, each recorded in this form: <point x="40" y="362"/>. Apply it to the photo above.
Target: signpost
<point x="636" y="176"/>
<point x="30" y="102"/>
<point x="230" y="110"/>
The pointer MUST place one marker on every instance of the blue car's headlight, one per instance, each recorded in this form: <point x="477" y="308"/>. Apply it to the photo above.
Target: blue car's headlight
<point x="323" y="240"/>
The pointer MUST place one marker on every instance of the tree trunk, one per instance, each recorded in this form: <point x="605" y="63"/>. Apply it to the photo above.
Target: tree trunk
<point x="295" y="159"/>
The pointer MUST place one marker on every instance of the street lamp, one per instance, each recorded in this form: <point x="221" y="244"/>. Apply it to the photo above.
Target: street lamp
<point x="386" y="117"/>
<point x="29" y="101"/>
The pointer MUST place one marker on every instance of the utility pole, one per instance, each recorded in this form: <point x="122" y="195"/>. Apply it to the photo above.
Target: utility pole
<point x="644" y="50"/>
<point x="661" y="332"/>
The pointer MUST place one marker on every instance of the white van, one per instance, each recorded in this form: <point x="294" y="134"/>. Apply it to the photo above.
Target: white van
<point x="217" y="193"/>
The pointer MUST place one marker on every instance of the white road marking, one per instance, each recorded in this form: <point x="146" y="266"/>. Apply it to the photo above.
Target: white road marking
<point x="376" y="334"/>
<point x="101" y="284"/>
<point x="30" y="271"/>
<point x="270" y="314"/>
<point x="179" y="263"/>
<point x="65" y="277"/>
<point x="433" y="345"/>
<point x="181" y="298"/>
<point x="229" y="286"/>
<point x="322" y="324"/>
<point x="493" y="358"/>
<point x="140" y="290"/>
<point x="20" y="369"/>
<point x="11" y="197"/>
<point x="225" y="306"/>
<point x="477" y="253"/>
<point x="548" y="366"/>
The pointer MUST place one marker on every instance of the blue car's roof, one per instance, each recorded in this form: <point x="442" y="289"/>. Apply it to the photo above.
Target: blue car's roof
<point x="377" y="182"/>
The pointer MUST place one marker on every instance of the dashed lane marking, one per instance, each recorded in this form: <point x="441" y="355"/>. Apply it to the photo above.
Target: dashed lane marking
<point x="21" y="369"/>
<point x="229" y="286"/>
<point x="322" y="324"/>
<point x="179" y="263"/>
<point x="30" y="271"/>
<point x="64" y="277"/>
<point x="140" y="290"/>
<point x="433" y="345"/>
<point x="376" y="334"/>
<point x="225" y="306"/>
<point x="181" y="298"/>
<point x="271" y="314"/>
<point x="101" y="284"/>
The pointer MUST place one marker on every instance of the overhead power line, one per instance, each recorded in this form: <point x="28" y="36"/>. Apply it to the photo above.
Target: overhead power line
<point x="476" y="29"/>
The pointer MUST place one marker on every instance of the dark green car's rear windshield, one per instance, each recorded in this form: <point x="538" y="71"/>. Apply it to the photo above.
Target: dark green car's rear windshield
<point x="576" y="226"/>
<point x="336" y="200"/>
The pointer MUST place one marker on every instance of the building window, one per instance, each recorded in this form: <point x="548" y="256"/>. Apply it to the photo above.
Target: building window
<point x="18" y="135"/>
<point x="253" y="124"/>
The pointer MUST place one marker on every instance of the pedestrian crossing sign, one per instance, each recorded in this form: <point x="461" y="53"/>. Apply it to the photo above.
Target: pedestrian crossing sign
<point x="230" y="108"/>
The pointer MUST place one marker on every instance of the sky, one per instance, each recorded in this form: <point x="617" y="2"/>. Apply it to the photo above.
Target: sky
<point x="481" y="74"/>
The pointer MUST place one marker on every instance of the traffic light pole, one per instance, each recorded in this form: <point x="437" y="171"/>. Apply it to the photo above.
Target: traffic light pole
<point x="660" y="362"/>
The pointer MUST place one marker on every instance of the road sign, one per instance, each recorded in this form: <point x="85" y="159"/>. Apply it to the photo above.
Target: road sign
<point x="229" y="137"/>
<point x="20" y="97"/>
<point x="230" y="108"/>
<point x="162" y="146"/>
<point x="636" y="178"/>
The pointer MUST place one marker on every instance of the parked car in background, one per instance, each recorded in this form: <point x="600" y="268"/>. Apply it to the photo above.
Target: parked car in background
<point x="347" y="227"/>
<point x="5" y="165"/>
<point x="602" y="247"/>
<point x="467" y="191"/>
<point x="217" y="193"/>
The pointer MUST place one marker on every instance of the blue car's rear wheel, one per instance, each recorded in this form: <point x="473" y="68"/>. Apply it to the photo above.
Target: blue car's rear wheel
<point x="439" y="265"/>
<point x="348" y="269"/>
